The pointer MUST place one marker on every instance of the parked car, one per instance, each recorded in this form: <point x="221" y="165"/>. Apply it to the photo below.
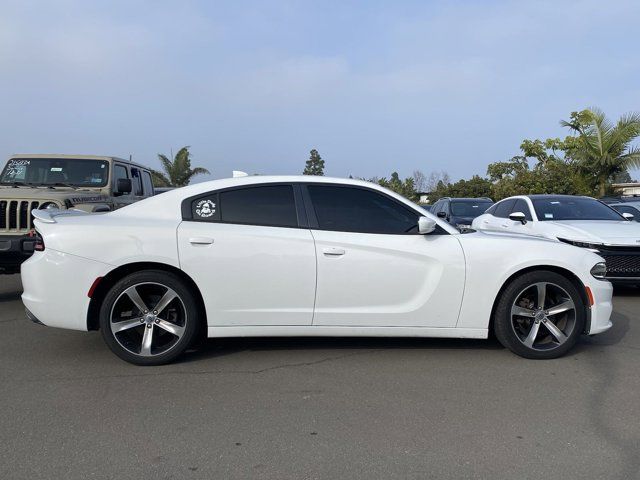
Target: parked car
<point x="303" y="256"/>
<point x="630" y="208"/>
<point x="460" y="212"/>
<point x="580" y="221"/>
<point x="85" y="182"/>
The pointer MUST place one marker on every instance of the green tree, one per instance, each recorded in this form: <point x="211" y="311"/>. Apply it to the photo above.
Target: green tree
<point x="602" y="148"/>
<point x="476" y="186"/>
<point x="405" y="187"/>
<point x="315" y="164"/>
<point x="177" y="173"/>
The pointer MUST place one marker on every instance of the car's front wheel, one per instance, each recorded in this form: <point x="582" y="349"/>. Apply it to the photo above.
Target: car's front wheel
<point x="149" y="317"/>
<point x="540" y="315"/>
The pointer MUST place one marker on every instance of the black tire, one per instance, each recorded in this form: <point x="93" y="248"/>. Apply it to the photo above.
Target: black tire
<point x="511" y="329"/>
<point x="173" y="329"/>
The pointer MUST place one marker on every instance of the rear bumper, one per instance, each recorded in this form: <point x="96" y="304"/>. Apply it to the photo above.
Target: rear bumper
<point x="56" y="287"/>
<point x="14" y="249"/>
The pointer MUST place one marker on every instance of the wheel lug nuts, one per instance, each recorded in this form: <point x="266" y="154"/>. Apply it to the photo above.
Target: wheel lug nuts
<point x="142" y="320"/>
<point x="157" y="321"/>
<point x="149" y="325"/>
<point x="155" y="312"/>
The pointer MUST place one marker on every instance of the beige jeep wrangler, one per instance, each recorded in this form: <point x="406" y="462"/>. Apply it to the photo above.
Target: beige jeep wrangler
<point x="85" y="182"/>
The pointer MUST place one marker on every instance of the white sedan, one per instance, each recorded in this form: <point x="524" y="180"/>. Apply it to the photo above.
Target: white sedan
<point x="580" y="221"/>
<point x="303" y="256"/>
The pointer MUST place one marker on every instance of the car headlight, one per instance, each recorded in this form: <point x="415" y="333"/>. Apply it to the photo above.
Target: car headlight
<point x="48" y="206"/>
<point x="599" y="270"/>
<point x="591" y="246"/>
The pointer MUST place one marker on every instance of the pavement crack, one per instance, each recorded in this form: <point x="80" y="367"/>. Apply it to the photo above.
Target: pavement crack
<point x="209" y="372"/>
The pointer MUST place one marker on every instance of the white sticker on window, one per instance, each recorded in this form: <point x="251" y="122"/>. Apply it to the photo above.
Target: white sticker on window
<point x="56" y="169"/>
<point x="205" y="208"/>
<point x="548" y="215"/>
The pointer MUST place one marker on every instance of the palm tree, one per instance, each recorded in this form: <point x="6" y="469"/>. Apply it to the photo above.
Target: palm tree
<point x="177" y="173"/>
<point x="603" y="149"/>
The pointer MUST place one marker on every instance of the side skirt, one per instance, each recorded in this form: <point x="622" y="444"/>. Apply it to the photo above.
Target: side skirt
<point x="333" y="331"/>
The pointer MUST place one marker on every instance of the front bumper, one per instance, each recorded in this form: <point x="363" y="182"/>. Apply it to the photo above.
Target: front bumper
<point x="15" y="249"/>
<point x="602" y="308"/>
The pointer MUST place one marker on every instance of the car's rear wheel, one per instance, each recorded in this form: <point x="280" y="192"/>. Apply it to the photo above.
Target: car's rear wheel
<point x="149" y="317"/>
<point x="540" y="315"/>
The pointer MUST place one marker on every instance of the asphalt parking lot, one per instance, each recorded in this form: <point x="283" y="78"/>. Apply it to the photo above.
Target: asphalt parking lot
<point x="317" y="408"/>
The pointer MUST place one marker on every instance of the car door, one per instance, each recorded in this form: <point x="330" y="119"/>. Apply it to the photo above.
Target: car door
<point x="246" y="250"/>
<point x="496" y="220"/>
<point x="520" y="205"/>
<point x="374" y="269"/>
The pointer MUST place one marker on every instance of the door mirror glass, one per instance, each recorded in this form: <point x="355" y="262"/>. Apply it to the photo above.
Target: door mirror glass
<point x="628" y="216"/>
<point x="426" y="225"/>
<point x="442" y="214"/>
<point x="123" y="186"/>
<point x="518" y="217"/>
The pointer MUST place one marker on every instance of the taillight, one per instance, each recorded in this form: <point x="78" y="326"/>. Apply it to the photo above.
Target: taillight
<point x="39" y="245"/>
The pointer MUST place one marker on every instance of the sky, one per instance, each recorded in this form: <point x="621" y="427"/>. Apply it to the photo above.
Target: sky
<point x="374" y="86"/>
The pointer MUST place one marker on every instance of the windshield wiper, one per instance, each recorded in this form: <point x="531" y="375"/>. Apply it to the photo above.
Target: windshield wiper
<point x="59" y="184"/>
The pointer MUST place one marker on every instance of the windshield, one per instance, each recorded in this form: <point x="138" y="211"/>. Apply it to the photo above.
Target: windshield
<point x="573" y="208"/>
<point x="469" y="208"/>
<point x="55" y="171"/>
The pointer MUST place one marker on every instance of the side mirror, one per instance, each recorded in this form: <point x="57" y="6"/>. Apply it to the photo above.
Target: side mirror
<point x="426" y="225"/>
<point x="442" y="214"/>
<point x="628" y="216"/>
<point x="123" y="186"/>
<point x="518" y="217"/>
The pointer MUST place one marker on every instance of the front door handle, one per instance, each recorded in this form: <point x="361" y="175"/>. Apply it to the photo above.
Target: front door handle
<point x="200" y="241"/>
<point x="333" y="251"/>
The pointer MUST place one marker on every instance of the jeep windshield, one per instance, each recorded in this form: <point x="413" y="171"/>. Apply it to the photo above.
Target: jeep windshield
<point x="54" y="172"/>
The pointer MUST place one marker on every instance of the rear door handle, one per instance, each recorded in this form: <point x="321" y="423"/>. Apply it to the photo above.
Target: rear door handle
<point x="333" y="251"/>
<point x="200" y="241"/>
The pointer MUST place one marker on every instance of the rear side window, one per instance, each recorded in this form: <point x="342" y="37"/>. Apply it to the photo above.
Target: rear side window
<point x="147" y="183"/>
<point x="521" y="206"/>
<point x="503" y="209"/>
<point x="271" y="205"/>
<point x="347" y="209"/>
<point x="136" y="181"/>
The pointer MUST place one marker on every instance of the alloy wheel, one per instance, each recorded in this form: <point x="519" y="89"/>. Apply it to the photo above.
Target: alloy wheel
<point x="543" y="316"/>
<point x="148" y="319"/>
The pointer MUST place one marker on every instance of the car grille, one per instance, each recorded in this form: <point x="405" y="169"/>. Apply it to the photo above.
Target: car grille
<point x="622" y="262"/>
<point x="15" y="215"/>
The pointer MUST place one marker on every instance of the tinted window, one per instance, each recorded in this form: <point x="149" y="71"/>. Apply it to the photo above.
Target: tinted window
<point x="573" y="208"/>
<point x="148" y="184"/>
<point x="272" y="205"/>
<point x="347" y="209"/>
<point x="521" y="206"/>
<point x="136" y="181"/>
<point x="628" y="209"/>
<point x="491" y="210"/>
<point x="469" y="208"/>
<point x="503" y="209"/>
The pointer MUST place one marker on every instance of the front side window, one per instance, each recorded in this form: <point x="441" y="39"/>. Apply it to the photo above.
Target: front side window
<point x="503" y="209"/>
<point x="521" y="206"/>
<point x="628" y="209"/>
<point x="55" y="172"/>
<point x="119" y="171"/>
<point x="573" y="208"/>
<point x="348" y="209"/>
